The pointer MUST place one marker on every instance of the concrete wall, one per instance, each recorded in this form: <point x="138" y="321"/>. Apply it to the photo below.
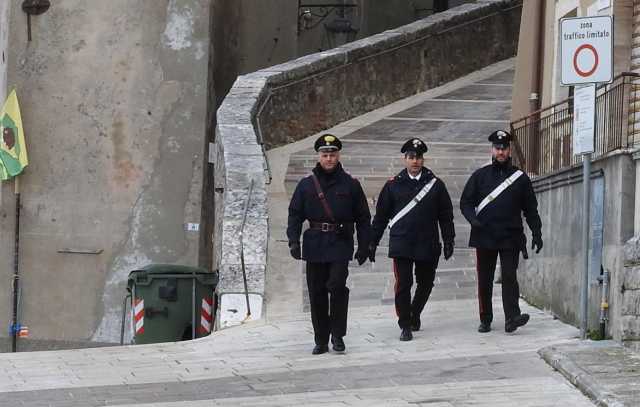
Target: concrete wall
<point x="528" y="76"/>
<point x="552" y="279"/>
<point x="623" y="29"/>
<point x="5" y="8"/>
<point x="113" y="98"/>
<point x="250" y="35"/>
<point x="294" y="100"/>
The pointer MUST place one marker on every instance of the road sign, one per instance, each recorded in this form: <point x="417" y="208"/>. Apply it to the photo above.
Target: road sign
<point x="586" y="49"/>
<point x="584" y="115"/>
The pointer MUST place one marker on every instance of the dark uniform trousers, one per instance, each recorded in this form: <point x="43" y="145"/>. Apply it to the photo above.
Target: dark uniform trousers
<point x="328" y="299"/>
<point x="403" y="269"/>
<point x="486" y="267"/>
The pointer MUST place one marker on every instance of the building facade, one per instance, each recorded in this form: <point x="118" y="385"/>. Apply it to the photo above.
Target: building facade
<point x="542" y="125"/>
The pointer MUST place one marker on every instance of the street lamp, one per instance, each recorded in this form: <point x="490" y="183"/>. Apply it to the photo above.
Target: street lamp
<point x="312" y="15"/>
<point x="34" y="8"/>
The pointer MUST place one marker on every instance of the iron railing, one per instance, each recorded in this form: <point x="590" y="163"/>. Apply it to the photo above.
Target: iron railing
<point x="543" y="140"/>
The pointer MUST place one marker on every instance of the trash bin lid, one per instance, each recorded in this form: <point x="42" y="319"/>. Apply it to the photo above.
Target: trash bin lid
<point x="157" y="268"/>
<point x="146" y="274"/>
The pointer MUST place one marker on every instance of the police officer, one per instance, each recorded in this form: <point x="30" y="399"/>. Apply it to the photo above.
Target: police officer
<point x="412" y="204"/>
<point x="334" y="204"/>
<point x="493" y="201"/>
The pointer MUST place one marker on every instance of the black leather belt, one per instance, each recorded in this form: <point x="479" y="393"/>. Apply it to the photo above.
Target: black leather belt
<point x="324" y="227"/>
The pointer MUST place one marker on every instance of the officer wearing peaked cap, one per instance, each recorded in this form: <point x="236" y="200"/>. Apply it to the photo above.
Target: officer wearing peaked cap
<point x="493" y="201"/>
<point x="334" y="204"/>
<point x="412" y="205"/>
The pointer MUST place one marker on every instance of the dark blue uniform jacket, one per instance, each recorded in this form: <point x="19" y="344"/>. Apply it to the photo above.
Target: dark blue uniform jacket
<point x="349" y="205"/>
<point x="415" y="236"/>
<point x="501" y="219"/>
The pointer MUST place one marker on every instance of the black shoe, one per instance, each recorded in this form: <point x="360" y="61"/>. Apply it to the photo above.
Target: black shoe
<point x="338" y="344"/>
<point x="514" y="323"/>
<point x="484" y="327"/>
<point x="415" y="325"/>
<point x="320" y="349"/>
<point x="406" y="335"/>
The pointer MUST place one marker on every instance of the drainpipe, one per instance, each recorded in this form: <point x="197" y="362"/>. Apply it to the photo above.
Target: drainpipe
<point x="535" y="97"/>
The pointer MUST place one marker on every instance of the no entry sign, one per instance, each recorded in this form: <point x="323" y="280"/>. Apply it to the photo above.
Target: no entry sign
<point x="586" y="47"/>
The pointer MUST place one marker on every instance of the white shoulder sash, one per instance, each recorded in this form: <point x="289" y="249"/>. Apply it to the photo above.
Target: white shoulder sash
<point x="499" y="189"/>
<point x="423" y="192"/>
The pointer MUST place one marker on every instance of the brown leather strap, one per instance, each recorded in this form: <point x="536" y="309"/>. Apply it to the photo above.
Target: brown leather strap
<point x="323" y="199"/>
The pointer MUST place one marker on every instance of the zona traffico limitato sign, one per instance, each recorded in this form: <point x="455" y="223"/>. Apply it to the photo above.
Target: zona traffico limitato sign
<point x="586" y="48"/>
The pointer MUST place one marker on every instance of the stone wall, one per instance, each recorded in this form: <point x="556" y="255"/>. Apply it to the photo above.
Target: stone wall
<point x="629" y="289"/>
<point x="552" y="279"/>
<point x="291" y="101"/>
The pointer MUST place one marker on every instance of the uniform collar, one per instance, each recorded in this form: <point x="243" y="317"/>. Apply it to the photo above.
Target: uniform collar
<point x="425" y="175"/>
<point x="417" y="177"/>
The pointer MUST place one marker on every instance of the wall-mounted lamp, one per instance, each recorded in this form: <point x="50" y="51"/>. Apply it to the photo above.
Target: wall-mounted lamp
<point x="311" y="15"/>
<point x="34" y="8"/>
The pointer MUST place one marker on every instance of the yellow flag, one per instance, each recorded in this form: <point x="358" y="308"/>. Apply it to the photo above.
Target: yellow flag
<point x="13" y="150"/>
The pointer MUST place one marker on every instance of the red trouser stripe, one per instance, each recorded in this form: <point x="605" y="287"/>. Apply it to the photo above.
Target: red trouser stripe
<point x="480" y="307"/>
<point x="396" y="285"/>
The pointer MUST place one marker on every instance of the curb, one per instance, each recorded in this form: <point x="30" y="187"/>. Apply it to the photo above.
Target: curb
<point x="578" y="377"/>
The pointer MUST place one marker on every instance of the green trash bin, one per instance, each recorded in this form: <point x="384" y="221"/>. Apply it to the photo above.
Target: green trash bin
<point x="171" y="303"/>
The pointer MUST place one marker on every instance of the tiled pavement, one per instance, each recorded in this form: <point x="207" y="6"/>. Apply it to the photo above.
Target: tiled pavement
<point x="268" y="363"/>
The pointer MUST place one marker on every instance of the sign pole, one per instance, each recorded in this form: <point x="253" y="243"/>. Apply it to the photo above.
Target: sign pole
<point x="16" y="275"/>
<point x="586" y="223"/>
<point x="586" y="48"/>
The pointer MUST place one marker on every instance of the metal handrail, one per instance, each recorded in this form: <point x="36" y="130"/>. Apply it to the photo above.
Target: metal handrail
<point x="543" y="139"/>
<point x="242" y="262"/>
<point x="569" y="99"/>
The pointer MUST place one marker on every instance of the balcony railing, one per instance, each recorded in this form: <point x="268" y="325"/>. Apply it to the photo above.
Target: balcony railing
<point x="543" y="140"/>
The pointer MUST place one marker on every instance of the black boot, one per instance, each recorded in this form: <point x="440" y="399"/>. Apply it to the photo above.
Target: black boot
<point x="338" y="344"/>
<point x="514" y="323"/>
<point x="484" y="327"/>
<point x="415" y="324"/>
<point x="406" y="335"/>
<point x="320" y="349"/>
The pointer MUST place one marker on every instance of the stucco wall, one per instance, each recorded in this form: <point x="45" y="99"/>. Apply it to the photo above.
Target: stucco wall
<point x="113" y="98"/>
<point x="291" y="101"/>
<point x="552" y="279"/>
<point x="5" y="7"/>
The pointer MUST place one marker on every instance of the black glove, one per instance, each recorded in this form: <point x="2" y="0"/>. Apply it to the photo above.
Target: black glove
<point x="475" y="223"/>
<point x="536" y="243"/>
<point x="372" y="252"/>
<point x="294" y="249"/>
<point x="361" y="256"/>
<point x="448" y="250"/>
